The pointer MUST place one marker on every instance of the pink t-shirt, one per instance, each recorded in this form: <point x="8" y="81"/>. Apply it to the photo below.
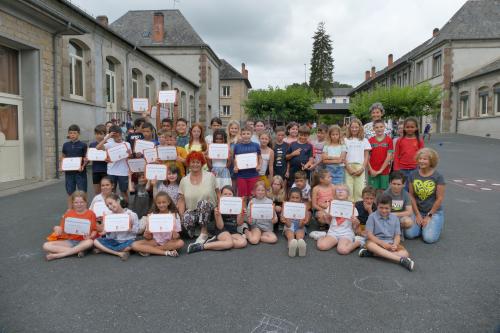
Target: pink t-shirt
<point x="163" y="237"/>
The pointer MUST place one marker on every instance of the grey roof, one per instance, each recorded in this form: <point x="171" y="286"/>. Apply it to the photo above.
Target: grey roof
<point x="492" y="67"/>
<point x="341" y="91"/>
<point x="476" y="19"/>
<point x="331" y="106"/>
<point x="228" y="72"/>
<point x="137" y="26"/>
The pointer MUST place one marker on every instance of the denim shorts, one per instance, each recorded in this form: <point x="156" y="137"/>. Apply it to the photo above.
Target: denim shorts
<point x="73" y="242"/>
<point x="74" y="180"/>
<point x="115" y="245"/>
<point x="337" y="173"/>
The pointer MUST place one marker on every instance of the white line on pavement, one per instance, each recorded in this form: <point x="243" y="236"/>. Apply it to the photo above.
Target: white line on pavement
<point x="485" y="189"/>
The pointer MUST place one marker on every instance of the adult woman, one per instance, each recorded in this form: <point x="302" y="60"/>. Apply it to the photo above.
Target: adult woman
<point x="377" y="112"/>
<point x="197" y="197"/>
<point x="427" y="189"/>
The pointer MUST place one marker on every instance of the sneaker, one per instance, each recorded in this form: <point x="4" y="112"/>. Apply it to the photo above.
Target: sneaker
<point x="365" y="253"/>
<point x="211" y="239"/>
<point x="241" y="228"/>
<point x="202" y="238"/>
<point x="292" y="248"/>
<point x="301" y="244"/>
<point x="407" y="263"/>
<point x="194" y="247"/>
<point x="361" y="239"/>
<point x="317" y="234"/>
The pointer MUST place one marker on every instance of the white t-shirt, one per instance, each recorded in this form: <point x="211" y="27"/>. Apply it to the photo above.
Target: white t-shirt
<point x="118" y="168"/>
<point x="356" y="149"/>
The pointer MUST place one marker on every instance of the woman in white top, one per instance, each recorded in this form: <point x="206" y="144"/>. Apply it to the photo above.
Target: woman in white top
<point x="377" y="112"/>
<point x="266" y="171"/>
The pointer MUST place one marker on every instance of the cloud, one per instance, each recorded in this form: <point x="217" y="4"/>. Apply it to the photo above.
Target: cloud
<point x="274" y="38"/>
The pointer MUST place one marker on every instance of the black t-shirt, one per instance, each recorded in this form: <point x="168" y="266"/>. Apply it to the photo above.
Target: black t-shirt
<point x="362" y="212"/>
<point x="280" y="159"/>
<point x="230" y="223"/>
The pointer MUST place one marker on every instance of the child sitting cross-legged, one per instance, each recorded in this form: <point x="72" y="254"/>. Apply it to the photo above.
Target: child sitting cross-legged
<point x="383" y="235"/>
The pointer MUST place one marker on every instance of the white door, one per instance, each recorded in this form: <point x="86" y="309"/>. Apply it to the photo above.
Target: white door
<point x="110" y="91"/>
<point x="11" y="139"/>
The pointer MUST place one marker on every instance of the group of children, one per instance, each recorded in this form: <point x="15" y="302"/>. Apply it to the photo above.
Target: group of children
<point x="290" y="167"/>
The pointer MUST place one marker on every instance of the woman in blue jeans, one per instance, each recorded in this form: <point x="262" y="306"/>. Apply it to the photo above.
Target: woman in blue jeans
<point x="427" y="189"/>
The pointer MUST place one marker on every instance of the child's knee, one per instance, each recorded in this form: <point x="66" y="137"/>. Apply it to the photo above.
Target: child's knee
<point x="46" y="246"/>
<point x="430" y="238"/>
<point x="343" y="250"/>
<point x="180" y="244"/>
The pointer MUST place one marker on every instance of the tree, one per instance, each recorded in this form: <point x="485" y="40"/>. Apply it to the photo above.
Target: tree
<point x="294" y="103"/>
<point x="398" y="102"/>
<point x="321" y="79"/>
<point x="337" y="84"/>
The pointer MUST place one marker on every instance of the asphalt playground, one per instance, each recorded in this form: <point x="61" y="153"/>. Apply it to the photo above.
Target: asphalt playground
<point x="455" y="286"/>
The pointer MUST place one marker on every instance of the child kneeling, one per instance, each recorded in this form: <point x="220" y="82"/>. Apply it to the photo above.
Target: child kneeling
<point x="383" y="235"/>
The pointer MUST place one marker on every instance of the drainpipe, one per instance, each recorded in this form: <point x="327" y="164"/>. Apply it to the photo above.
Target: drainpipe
<point x="55" y="54"/>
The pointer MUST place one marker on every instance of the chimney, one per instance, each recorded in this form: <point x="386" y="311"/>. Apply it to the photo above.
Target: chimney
<point x="367" y="75"/>
<point x="158" y="27"/>
<point x="102" y="20"/>
<point x="372" y="75"/>
<point x="435" y="32"/>
<point x="244" y="71"/>
<point x="390" y="60"/>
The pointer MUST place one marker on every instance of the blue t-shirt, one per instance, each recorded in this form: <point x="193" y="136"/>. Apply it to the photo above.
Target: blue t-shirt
<point x="384" y="228"/>
<point x="306" y="153"/>
<point x="74" y="149"/>
<point x="247" y="148"/>
<point x="98" y="166"/>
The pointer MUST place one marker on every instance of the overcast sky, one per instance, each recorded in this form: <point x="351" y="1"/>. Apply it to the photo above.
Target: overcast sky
<point x="273" y="37"/>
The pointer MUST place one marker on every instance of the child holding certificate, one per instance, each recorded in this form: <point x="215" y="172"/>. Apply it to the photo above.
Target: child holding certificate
<point x="219" y="167"/>
<point x="161" y="243"/>
<point x="322" y="194"/>
<point x="61" y="244"/>
<point x="107" y="186"/>
<point x="99" y="168"/>
<point x="277" y="193"/>
<point x="341" y="231"/>
<point x="74" y="179"/>
<point x="300" y="154"/>
<point x="226" y="235"/>
<point x="168" y="139"/>
<point x="118" y="243"/>
<point x="261" y="230"/>
<point x="334" y="152"/>
<point x="246" y="178"/>
<point x="295" y="230"/>
<point x="197" y="140"/>
<point x="169" y="185"/>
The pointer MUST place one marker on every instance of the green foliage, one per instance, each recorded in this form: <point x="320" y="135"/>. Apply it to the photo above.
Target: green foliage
<point x="294" y="103"/>
<point x="331" y="119"/>
<point x="337" y="84"/>
<point x="321" y="79"/>
<point x="399" y="102"/>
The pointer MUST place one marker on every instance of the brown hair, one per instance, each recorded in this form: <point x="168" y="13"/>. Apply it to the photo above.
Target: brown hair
<point x="202" y="136"/>
<point x="361" y="133"/>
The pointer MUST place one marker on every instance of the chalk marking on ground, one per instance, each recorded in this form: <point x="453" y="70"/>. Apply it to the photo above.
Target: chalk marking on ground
<point x="458" y="180"/>
<point x="468" y="201"/>
<point x="481" y="180"/>
<point x="273" y="324"/>
<point x="485" y="189"/>
<point x="358" y="281"/>
<point x="470" y="184"/>
<point x="495" y="184"/>
<point x="25" y="255"/>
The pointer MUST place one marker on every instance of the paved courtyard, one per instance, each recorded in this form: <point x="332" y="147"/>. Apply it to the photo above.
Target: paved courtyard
<point x="455" y="286"/>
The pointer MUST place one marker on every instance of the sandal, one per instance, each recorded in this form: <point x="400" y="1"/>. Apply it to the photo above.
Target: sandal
<point x="173" y="253"/>
<point x="124" y="256"/>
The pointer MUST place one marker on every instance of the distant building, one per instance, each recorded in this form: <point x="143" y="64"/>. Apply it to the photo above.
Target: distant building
<point x="338" y="104"/>
<point x="466" y="44"/>
<point x="168" y="36"/>
<point x="234" y="87"/>
<point x="339" y="96"/>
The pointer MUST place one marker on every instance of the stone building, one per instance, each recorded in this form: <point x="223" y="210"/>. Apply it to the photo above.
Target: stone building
<point x="60" y="66"/>
<point x="234" y="86"/>
<point x="168" y="36"/>
<point x="469" y="41"/>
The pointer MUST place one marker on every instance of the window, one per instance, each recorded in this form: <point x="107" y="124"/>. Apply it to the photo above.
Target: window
<point x="148" y="87"/>
<point x="226" y="91"/>
<point x="135" y="83"/>
<point x="209" y="77"/>
<point x="184" y="105"/>
<point x="110" y="82"/>
<point x="9" y="80"/>
<point x="399" y="81"/>
<point x="333" y="100"/>
<point x="344" y="100"/>
<point x="76" y="70"/>
<point x="436" y="64"/>
<point x="393" y="80"/>
<point x="405" y="79"/>
<point x="420" y="71"/>
<point x="483" y="102"/>
<point x="496" y="98"/>
<point x="226" y="110"/>
<point x="464" y="105"/>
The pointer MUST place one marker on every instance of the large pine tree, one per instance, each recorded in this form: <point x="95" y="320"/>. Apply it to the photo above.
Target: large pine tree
<point x="321" y="79"/>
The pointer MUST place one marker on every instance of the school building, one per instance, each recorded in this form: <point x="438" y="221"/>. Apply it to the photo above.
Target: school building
<point x="463" y="59"/>
<point x="60" y="66"/>
<point x="234" y="87"/>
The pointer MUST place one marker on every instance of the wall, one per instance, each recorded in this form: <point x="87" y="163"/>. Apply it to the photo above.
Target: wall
<point x="470" y="56"/>
<point x="239" y="94"/>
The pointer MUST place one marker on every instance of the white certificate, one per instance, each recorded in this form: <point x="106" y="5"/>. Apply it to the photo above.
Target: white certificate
<point x="116" y="222"/>
<point x="100" y="209"/>
<point x="140" y="104"/>
<point x="163" y="112"/>
<point x="118" y="152"/>
<point x="167" y="96"/>
<point x="167" y="153"/>
<point x="218" y="151"/>
<point x="140" y="145"/>
<point x="71" y="164"/>
<point x="76" y="226"/>
<point x="262" y="211"/>
<point x="161" y="222"/>
<point x="150" y="155"/>
<point x="246" y="161"/>
<point x="136" y="165"/>
<point x="340" y="208"/>
<point x="230" y="205"/>
<point x="96" y="154"/>
<point x="294" y="210"/>
<point x="156" y="171"/>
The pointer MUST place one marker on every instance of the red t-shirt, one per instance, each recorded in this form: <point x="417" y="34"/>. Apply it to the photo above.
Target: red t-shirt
<point x="379" y="152"/>
<point x="87" y="215"/>
<point x="405" y="153"/>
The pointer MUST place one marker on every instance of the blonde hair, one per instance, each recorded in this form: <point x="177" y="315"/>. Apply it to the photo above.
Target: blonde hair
<point x="79" y="194"/>
<point x="361" y="133"/>
<point x="236" y="138"/>
<point x="332" y="129"/>
<point x="431" y="153"/>
<point x="281" y="196"/>
<point x="270" y="143"/>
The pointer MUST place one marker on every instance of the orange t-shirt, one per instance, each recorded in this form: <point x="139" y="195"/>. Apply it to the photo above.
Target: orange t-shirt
<point x="87" y="215"/>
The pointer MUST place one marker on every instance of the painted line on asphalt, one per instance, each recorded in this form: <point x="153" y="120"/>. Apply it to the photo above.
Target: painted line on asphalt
<point x="458" y="180"/>
<point x="495" y="184"/>
<point x="485" y="189"/>
<point x="481" y="180"/>
<point x="470" y="184"/>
